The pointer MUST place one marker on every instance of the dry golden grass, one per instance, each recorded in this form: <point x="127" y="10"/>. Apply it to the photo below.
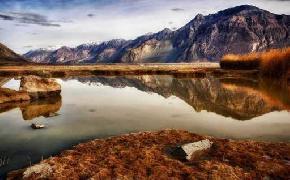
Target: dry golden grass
<point x="274" y="62"/>
<point x="246" y="57"/>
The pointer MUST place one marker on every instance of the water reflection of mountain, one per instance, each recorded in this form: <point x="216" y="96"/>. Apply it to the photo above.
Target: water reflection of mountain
<point x="242" y="100"/>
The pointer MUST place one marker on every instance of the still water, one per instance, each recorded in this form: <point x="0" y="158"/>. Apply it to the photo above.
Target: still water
<point x="97" y="107"/>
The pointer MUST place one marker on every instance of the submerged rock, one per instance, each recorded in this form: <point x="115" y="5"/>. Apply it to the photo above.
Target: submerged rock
<point x="38" y="87"/>
<point x="37" y="126"/>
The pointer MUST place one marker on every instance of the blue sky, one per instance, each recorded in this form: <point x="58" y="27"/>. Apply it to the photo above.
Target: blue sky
<point x="32" y="24"/>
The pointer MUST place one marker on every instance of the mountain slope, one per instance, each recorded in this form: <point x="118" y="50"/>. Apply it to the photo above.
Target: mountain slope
<point x="241" y="29"/>
<point x="8" y="57"/>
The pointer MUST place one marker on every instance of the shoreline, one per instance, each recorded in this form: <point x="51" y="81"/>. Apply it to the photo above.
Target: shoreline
<point x="193" y="70"/>
<point x="147" y="155"/>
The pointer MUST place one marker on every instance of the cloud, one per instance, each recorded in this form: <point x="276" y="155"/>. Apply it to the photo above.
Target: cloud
<point x="90" y="15"/>
<point x="6" y="17"/>
<point x="177" y="9"/>
<point x="29" y="46"/>
<point x="28" y="18"/>
<point x="21" y="25"/>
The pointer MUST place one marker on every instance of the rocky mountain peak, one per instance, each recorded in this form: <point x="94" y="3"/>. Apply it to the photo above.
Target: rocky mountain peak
<point x="198" y="17"/>
<point x="239" y="10"/>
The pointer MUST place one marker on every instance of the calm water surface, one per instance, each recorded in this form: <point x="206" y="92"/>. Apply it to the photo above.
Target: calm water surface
<point x="97" y="107"/>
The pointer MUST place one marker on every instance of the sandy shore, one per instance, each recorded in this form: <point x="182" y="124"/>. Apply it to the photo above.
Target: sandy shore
<point x="147" y="155"/>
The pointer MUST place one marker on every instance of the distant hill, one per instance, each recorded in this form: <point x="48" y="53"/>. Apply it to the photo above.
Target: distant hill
<point x="9" y="57"/>
<point x="240" y="29"/>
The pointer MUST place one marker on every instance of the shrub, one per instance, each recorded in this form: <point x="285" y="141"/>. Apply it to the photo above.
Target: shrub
<point x="273" y="63"/>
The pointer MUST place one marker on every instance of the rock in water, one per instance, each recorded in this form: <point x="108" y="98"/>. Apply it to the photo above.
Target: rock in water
<point x="38" y="87"/>
<point x="37" y="126"/>
<point x="188" y="151"/>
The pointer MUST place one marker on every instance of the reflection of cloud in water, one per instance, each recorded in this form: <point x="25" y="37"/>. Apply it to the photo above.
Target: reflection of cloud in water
<point x="12" y="84"/>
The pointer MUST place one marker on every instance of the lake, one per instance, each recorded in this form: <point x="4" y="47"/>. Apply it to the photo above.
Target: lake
<point x="103" y="106"/>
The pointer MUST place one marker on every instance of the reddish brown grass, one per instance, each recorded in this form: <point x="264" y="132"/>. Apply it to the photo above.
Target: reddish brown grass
<point x="274" y="62"/>
<point x="146" y="156"/>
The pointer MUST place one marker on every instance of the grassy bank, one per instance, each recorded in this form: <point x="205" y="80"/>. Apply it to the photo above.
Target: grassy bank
<point x="106" y="69"/>
<point x="146" y="155"/>
<point x="272" y="63"/>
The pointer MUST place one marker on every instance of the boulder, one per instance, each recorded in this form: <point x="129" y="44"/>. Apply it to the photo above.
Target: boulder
<point x="189" y="151"/>
<point x="38" y="87"/>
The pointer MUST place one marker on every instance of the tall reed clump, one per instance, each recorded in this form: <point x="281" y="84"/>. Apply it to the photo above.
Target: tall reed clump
<point x="272" y="63"/>
<point x="275" y="62"/>
<point x="244" y="62"/>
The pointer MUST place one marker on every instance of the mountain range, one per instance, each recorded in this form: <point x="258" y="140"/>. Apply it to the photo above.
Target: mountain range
<point x="240" y="29"/>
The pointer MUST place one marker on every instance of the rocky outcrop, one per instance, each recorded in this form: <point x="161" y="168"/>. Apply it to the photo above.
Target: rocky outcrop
<point x="45" y="107"/>
<point x="145" y="156"/>
<point x="31" y="88"/>
<point x="38" y="87"/>
<point x="237" y="30"/>
<point x="9" y="95"/>
<point x="37" y="97"/>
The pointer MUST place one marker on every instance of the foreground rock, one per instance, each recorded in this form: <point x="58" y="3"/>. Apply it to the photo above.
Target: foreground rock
<point x="191" y="151"/>
<point x="147" y="155"/>
<point x="38" y="87"/>
<point x="9" y="95"/>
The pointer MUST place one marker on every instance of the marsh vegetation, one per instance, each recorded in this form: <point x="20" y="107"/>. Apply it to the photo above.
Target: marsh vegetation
<point x="271" y="63"/>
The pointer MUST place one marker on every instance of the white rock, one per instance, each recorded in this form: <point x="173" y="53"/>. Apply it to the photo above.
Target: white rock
<point x="44" y="169"/>
<point x="191" y="148"/>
